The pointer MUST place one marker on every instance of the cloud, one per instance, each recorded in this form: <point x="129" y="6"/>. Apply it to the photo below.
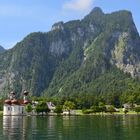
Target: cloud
<point x="78" y="5"/>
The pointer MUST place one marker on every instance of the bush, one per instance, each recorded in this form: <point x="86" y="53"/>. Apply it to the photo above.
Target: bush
<point x="95" y="109"/>
<point x="59" y="109"/>
<point x="110" y="109"/>
<point x="28" y="108"/>
<point x="42" y="107"/>
<point x="137" y="109"/>
<point x="125" y="111"/>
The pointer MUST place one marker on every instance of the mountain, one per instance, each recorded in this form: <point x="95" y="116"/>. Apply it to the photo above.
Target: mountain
<point x="99" y="54"/>
<point x="1" y="49"/>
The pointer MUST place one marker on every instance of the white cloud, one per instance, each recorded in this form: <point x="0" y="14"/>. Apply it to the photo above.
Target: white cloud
<point x="78" y="5"/>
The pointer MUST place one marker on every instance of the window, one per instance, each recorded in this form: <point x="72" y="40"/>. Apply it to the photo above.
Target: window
<point x="8" y="108"/>
<point x="22" y="110"/>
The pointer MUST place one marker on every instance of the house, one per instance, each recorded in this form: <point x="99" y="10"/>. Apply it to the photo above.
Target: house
<point x="50" y="105"/>
<point x="12" y="106"/>
<point x="129" y="106"/>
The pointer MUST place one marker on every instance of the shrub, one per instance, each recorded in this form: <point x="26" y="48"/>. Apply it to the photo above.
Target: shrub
<point x="28" y="108"/>
<point x="137" y="109"/>
<point x="59" y="109"/>
<point x="95" y="109"/>
<point x="111" y="109"/>
<point x="42" y="107"/>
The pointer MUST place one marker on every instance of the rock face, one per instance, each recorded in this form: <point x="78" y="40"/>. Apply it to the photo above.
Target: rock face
<point x="125" y="56"/>
<point x="79" y="56"/>
<point x="58" y="26"/>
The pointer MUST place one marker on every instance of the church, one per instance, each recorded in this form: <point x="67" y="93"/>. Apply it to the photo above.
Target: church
<point x="12" y="106"/>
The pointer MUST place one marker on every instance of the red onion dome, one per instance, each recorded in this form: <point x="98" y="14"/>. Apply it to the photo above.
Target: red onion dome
<point x="14" y="101"/>
<point x="8" y="101"/>
<point x="25" y="101"/>
<point x="25" y="92"/>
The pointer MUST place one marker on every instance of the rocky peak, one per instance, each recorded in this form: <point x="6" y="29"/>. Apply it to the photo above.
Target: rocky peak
<point x="96" y="16"/>
<point x="58" y="26"/>
<point x="96" y="10"/>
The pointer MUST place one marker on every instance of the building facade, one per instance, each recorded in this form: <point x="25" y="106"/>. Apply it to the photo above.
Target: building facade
<point x="12" y="106"/>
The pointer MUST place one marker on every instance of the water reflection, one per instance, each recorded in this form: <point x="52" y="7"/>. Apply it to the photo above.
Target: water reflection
<point x="131" y="126"/>
<point x="13" y="126"/>
<point x="70" y="128"/>
<point x="23" y="127"/>
<point x="19" y="127"/>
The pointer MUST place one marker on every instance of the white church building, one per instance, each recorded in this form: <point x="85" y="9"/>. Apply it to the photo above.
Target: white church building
<point x="12" y="106"/>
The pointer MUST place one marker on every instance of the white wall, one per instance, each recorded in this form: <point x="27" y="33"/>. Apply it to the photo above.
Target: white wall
<point x="7" y="109"/>
<point x="14" y="110"/>
<point x="17" y="110"/>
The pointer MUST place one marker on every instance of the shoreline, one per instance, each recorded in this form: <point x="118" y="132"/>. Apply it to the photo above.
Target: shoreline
<point x="78" y="114"/>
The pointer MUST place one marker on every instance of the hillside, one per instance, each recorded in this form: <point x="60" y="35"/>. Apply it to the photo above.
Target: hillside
<point x="99" y="54"/>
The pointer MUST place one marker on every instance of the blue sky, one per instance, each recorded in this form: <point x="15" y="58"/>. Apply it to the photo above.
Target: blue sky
<point x="18" y="18"/>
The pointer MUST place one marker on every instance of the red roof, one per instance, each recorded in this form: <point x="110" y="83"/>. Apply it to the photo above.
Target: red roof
<point x="16" y="102"/>
<point x="8" y="101"/>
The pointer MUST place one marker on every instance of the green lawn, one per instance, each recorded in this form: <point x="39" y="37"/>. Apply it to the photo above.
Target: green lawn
<point x="1" y="113"/>
<point x="121" y="112"/>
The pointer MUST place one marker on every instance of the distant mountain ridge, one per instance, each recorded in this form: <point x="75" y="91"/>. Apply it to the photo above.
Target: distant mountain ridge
<point x="1" y="49"/>
<point x="96" y="55"/>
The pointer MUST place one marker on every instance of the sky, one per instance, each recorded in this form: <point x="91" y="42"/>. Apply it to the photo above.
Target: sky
<point x="18" y="18"/>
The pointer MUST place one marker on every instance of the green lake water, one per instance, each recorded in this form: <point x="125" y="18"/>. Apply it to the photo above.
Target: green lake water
<point x="119" y="127"/>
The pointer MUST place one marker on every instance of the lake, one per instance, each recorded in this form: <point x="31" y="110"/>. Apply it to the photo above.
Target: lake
<point x="119" y="127"/>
